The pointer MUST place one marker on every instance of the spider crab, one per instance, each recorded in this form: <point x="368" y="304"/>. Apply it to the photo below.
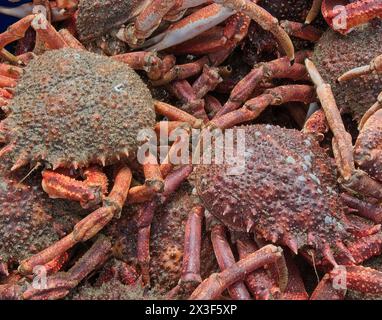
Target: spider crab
<point x="326" y="236"/>
<point x="106" y="128"/>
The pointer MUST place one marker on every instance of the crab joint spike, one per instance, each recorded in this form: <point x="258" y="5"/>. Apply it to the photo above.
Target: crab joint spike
<point x="328" y="254"/>
<point x="345" y="251"/>
<point x="7" y="149"/>
<point x="291" y="243"/>
<point x="20" y="162"/>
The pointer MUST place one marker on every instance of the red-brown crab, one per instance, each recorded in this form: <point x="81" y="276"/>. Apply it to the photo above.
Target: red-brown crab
<point x="148" y="15"/>
<point x="53" y="123"/>
<point x="29" y="222"/>
<point x="263" y="206"/>
<point x="231" y="198"/>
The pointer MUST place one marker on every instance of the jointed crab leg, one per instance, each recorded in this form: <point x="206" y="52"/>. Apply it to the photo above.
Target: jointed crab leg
<point x="314" y="11"/>
<point x="262" y="283"/>
<point x="88" y="192"/>
<point x="234" y="32"/>
<point x="279" y="68"/>
<point x="89" y="226"/>
<point x="369" y="113"/>
<point x="363" y="208"/>
<point x="352" y="14"/>
<point x="254" y="107"/>
<point x="356" y="180"/>
<point x="225" y="258"/>
<point x="357" y="278"/>
<point x="171" y="183"/>
<point x="212" y="287"/>
<point x="192" y="247"/>
<point x="375" y="65"/>
<point x="43" y="28"/>
<point x="216" y="13"/>
<point x="302" y="31"/>
<point x="60" y="284"/>
<point x="10" y="71"/>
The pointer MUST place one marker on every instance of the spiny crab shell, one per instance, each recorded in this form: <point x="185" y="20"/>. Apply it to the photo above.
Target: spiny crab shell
<point x="96" y="17"/>
<point x="336" y="54"/>
<point x="295" y="10"/>
<point x="286" y="192"/>
<point x="29" y="220"/>
<point x="72" y="108"/>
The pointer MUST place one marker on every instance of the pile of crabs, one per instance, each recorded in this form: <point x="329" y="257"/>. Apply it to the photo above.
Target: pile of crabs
<point x="81" y="217"/>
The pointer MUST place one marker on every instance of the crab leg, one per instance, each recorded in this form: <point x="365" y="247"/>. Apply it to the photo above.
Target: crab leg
<point x="355" y="278"/>
<point x="190" y="27"/>
<point x="279" y="68"/>
<point x="89" y="226"/>
<point x="216" y="13"/>
<point x="88" y="192"/>
<point x="7" y="82"/>
<point x="192" y="247"/>
<point x="70" y="40"/>
<point x="314" y="11"/>
<point x="171" y="183"/>
<point x="295" y="289"/>
<point x="254" y="107"/>
<point x="375" y="65"/>
<point x="301" y="31"/>
<point x="325" y="290"/>
<point x="192" y="103"/>
<point x="363" y="208"/>
<point x="261" y="285"/>
<point x="7" y="70"/>
<point x="350" y="15"/>
<point x="43" y="28"/>
<point x="212" y="105"/>
<point x="342" y="142"/>
<point x="147" y="61"/>
<point x="176" y="114"/>
<point x="212" y="287"/>
<point x="369" y="113"/>
<point x="47" y="33"/>
<point x="316" y="125"/>
<point x="225" y="259"/>
<point x="234" y="32"/>
<point x="59" y="285"/>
